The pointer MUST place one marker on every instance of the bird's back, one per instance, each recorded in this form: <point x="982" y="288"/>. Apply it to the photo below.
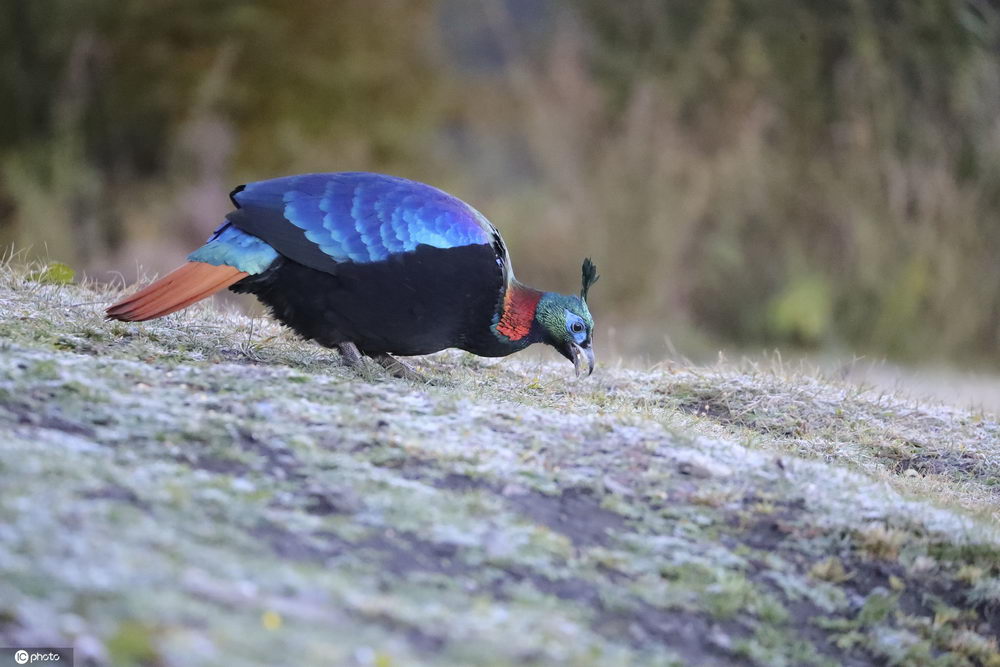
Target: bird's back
<point x="322" y="220"/>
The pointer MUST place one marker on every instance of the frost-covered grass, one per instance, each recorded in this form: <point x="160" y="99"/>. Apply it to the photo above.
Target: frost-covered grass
<point x="207" y="490"/>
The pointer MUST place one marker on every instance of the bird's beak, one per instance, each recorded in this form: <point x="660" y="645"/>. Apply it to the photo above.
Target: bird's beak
<point x="577" y="355"/>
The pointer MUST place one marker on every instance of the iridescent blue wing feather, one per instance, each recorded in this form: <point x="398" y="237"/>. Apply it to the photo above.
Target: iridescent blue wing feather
<point x="321" y="220"/>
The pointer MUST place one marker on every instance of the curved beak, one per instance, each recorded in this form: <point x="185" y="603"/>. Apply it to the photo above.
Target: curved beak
<point x="577" y="354"/>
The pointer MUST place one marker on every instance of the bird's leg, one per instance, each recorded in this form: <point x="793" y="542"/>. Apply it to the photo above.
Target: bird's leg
<point x="351" y="356"/>
<point x="397" y="368"/>
<point x="354" y="359"/>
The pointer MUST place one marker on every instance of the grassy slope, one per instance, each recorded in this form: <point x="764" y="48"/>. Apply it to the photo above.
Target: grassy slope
<point x="205" y="489"/>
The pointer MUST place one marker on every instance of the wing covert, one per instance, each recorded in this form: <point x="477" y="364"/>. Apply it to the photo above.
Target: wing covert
<point x="323" y="219"/>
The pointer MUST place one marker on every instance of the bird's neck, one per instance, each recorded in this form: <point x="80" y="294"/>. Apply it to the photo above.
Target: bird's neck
<point x="515" y="323"/>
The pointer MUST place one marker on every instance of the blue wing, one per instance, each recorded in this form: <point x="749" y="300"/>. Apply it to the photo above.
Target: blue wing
<point x="323" y="219"/>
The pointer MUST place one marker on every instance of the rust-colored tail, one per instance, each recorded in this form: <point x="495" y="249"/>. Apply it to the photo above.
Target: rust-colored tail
<point x="178" y="289"/>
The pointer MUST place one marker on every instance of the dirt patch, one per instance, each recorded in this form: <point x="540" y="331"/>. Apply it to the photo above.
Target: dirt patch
<point x="639" y="622"/>
<point x="325" y="502"/>
<point x="786" y="532"/>
<point x="400" y="554"/>
<point x="631" y="619"/>
<point x="275" y="461"/>
<point x="48" y="419"/>
<point x="213" y="464"/>
<point x="575" y="513"/>
<point x="278" y="460"/>
<point x="116" y="494"/>
<point x="943" y="463"/>
<point x="768" y="530"/>
<point x="708" y="408"/>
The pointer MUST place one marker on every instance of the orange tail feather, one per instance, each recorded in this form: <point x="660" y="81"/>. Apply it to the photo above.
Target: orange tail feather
<point x="178" y="289"/>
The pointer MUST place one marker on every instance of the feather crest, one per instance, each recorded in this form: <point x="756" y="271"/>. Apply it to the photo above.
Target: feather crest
<point x="590" y="276"/>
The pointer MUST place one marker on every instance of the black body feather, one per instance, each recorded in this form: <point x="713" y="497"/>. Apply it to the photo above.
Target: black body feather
<point x="410" y="304"/>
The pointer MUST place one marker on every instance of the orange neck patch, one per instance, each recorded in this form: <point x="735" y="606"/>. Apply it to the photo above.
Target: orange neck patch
<point x="518" y="314"/>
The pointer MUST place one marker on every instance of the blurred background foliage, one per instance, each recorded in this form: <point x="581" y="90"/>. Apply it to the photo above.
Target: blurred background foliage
<point x="821" y="174"/>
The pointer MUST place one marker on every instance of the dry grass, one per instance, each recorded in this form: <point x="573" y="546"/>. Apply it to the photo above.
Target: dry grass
<point x="205" y="489"/>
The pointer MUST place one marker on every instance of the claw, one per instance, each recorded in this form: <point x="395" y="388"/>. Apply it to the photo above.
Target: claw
<point x="398" y="368"/>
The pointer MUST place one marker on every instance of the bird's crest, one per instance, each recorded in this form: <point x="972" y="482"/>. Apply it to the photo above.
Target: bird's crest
<point x="589" y="277"/>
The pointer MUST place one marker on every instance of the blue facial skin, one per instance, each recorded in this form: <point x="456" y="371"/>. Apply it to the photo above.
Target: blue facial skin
<point x="576" y="327"/>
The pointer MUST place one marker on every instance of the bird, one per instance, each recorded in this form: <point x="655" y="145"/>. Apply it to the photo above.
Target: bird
<point x="376" y="266"/>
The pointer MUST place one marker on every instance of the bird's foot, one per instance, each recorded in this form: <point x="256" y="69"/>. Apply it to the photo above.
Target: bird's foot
<point x="351" y="356"/>
<point x="355" y="360"/>
<point x="397" y="368"/>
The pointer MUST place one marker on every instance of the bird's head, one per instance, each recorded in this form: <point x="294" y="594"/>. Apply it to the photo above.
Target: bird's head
<point x="566" y="322"/>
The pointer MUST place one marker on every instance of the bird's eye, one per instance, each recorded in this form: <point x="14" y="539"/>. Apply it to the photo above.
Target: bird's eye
<point x="576" y="327"/>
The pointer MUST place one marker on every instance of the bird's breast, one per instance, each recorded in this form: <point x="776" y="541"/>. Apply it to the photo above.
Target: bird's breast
<point x="409" y="303"/>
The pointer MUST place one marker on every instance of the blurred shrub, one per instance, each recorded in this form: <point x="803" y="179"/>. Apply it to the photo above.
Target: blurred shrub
<point x="106" y="103"/>
<point x="808" y="172"/>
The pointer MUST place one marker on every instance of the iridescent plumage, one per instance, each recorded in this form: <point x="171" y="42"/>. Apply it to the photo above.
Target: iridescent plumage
<point x="363" y="217"/>
<point x="380" y="262"/>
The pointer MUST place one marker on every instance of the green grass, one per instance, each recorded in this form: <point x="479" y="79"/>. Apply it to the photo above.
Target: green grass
<point x="207" y="490"/>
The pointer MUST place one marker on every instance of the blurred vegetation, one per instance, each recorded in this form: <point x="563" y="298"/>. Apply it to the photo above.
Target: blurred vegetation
<point x="814" y="173"/>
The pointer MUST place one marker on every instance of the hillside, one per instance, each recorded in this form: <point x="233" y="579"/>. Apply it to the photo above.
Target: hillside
<point x="207" y="490"/>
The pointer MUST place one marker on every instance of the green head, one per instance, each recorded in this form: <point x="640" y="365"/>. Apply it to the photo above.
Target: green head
<point x="566" y="323"/>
